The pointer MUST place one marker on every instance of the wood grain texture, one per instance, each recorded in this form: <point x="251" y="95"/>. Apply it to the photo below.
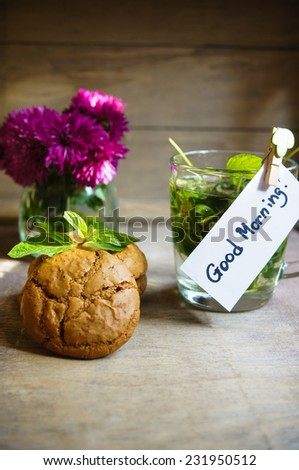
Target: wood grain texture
<point x="271" y="24"/>
<point x="182" y="87"/>
<point x="209" y="74"/>
<point x="186" y="380"/>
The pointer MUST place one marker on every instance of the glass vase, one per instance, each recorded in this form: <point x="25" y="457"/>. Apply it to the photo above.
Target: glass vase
<point x="48" y="203"/>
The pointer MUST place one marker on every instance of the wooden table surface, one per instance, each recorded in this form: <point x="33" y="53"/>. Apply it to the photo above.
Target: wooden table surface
<point x="209" y="75"/>
<point x="188" y="379"/>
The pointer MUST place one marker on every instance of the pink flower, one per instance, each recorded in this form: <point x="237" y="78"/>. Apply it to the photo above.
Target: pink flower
<point x="106" y="109"/>
<point x="94" y="174"/>
<point x="101" y="166"/>
<point x="82" y="142"/>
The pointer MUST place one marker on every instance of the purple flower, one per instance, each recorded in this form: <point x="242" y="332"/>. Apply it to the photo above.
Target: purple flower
<point x="22" y="146"/>
<point x="71" y="138"/>
<point x="95" y="173"/>
<point x="82" y="142"/>
<point x="101" y="166"/>
<point x="106" y="109"/>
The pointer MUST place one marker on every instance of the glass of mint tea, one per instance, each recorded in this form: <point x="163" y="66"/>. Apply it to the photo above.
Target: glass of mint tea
<point x="199" y="195"/>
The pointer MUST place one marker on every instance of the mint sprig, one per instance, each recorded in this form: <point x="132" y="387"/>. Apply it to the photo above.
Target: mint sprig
<point x="244" y="162"/>
<point x="248" y="162"/>
<point x="90" y="234"/>
<point x="76" y="222"/>
<point x="26" y="249"/>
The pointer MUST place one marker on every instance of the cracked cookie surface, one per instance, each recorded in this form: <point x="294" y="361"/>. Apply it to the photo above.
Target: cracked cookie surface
<point x="136" y="262"/>
<point x="80" y="303"/>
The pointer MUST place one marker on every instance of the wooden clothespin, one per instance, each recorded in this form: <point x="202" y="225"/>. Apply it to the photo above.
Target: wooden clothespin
<point x="272" y="162"/>
<point x="280" y="141"/>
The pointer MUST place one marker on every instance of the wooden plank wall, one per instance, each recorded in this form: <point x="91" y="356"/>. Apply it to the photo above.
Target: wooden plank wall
<point x="207" y="73"/>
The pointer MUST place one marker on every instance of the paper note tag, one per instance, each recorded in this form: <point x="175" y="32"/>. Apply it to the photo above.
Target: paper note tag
<point x="243" y="240"/>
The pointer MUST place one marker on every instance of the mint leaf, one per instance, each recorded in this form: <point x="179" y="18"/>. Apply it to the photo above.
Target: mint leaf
<point x="76" y="222"/>
<point x="60" y="237"/>
<point x="90" y="232"/>
<point x="27" y="248"/>
<point x="51" y="242"/>
<point x="94" y="222"/>
<point x="48" y="234"/>
<point x="244" y="162"/>
<point x="104" y="246"/>
<point x="106" y="236"/>
<point x="124" y="239"/>
<point x="202" y="210"/>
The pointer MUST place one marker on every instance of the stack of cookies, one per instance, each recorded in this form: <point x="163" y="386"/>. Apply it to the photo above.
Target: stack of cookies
<point x="83" y="303"/>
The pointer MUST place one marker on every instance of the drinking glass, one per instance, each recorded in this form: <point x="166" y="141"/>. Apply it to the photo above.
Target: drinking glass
<point x="199" y="195"/>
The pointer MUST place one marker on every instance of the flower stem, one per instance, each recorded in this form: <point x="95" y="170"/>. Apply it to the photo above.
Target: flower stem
<point x="180" y="151"/>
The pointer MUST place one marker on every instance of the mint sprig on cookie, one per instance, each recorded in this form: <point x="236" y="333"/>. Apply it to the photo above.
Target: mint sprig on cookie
<point x="89" y="233"/>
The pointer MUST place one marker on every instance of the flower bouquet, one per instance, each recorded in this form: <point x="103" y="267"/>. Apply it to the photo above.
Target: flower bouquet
<point x="65" y="161"/>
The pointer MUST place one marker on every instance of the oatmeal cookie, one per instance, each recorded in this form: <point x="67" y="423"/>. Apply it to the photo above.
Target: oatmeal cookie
<point x="136" y="262"/>
<point x="80" y="303"/>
